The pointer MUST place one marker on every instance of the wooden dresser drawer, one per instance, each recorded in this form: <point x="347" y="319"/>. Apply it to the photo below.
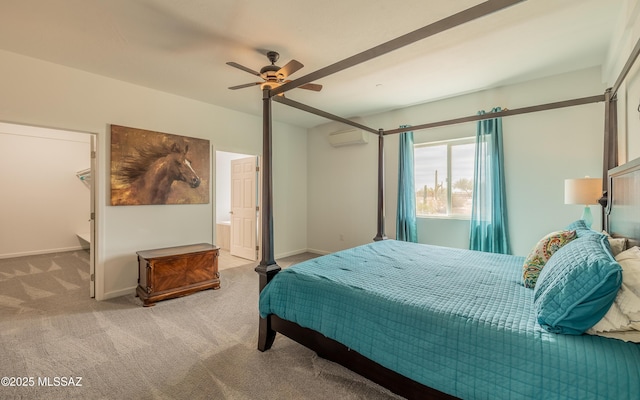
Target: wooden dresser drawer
<point x="176" y="271"/>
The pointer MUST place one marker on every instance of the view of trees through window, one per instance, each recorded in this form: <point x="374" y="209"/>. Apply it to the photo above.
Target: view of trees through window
<point x="437" y="164"/>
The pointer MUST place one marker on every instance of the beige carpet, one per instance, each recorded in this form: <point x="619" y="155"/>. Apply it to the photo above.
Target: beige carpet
<point x="201" y="346"/>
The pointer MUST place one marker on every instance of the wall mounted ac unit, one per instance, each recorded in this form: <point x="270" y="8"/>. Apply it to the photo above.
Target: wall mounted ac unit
<point x="348" y="137"/>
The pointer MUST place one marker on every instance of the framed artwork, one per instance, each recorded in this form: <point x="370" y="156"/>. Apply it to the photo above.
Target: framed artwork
<point x="150" y="167"/>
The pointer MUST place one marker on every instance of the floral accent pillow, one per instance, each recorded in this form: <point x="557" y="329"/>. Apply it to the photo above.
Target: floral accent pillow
<point x="541" y="253"/>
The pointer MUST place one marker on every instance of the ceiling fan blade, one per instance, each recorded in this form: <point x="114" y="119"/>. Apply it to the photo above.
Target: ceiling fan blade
<point x="291" y="67"/>
<point x="245" y="85"/>
<point x="311" y="86"/>
<point x="242" y="67"/>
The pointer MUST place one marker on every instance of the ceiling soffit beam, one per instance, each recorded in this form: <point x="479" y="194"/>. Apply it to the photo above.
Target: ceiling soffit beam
<point x="442" y="25"/>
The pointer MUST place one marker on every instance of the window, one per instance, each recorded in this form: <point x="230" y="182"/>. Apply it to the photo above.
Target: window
<point x="437" y="164"/>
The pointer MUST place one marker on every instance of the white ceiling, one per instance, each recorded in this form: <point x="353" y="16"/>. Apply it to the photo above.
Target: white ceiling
<point x="181" y="46"/>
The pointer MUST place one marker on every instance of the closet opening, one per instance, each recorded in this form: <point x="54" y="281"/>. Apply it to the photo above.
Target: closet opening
<point x="47" y="235"/>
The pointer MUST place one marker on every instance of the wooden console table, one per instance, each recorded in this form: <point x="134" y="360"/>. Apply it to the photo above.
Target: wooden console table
<point x="176" y="271"/>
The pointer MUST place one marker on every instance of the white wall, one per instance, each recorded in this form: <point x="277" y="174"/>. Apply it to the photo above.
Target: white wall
<point x="44" y="94"/>
<point x="290" y="179"/>
<point x="541" y="150"/>
<point x="43" y="204"/>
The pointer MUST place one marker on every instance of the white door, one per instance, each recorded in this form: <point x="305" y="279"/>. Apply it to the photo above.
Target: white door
<point x="244" y="194"/>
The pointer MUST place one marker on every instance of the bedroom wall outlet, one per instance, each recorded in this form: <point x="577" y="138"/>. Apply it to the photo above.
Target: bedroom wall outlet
<point x="341" y="237"/>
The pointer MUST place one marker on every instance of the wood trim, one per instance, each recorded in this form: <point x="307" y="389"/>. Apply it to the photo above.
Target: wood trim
<point x="625" y="70"/>
<point x="267" y="268"/>
<point x="309" y="109"/>
<point x="380" y="235"/>
<point x="472" y="118"/>
<point x="623" y="209"/>
<point x="504" y="113"/>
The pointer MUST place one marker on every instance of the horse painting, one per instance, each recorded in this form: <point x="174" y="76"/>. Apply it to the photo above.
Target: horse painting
<point x="152" y="173"/>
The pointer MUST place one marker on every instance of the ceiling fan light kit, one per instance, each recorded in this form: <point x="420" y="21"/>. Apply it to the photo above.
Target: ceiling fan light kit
<point x="273" y="75"/>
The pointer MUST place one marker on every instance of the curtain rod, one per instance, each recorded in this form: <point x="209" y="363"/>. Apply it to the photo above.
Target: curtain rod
<point x="504" y="113"/>
<point x="442" y="25"/>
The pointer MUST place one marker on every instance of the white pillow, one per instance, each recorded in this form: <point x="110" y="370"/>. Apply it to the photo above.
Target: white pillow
<point x="618" y="245"/>
<point x="627" y="336"/>
<point x="613" y="321"/>
<point x="629" y="295"/>
<point x="624" y="314"/>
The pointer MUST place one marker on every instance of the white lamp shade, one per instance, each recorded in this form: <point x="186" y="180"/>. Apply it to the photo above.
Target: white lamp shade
<point x="582" y="191"/>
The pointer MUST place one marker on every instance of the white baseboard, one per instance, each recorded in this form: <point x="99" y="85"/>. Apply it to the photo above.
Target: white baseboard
<point x="296" y="252"/>
<point x="38" y="252"/>
<point x="287" y="254"/>
<point x="320" y="252"/>
<point x="122" y="292"/>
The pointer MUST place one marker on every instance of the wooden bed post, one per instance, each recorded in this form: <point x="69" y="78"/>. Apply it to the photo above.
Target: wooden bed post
<point x="610" y="155"/>
<point x="268" y="267"/>
<point x="604" y="200"/>
<point x="380" y="235"/>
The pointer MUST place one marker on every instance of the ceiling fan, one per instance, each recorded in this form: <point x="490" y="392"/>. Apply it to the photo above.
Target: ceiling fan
<point x="273" y="75"/>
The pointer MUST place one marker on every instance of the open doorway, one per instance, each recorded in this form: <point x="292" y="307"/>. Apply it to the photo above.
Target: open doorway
<point x="47" y="209"/>
<point x="237" y="183"/>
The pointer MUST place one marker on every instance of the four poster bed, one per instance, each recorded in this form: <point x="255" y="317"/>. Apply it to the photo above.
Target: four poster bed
<point x="434" y="322"/>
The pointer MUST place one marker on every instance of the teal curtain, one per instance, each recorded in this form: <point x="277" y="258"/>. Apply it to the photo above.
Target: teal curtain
<point x="488" y="231"/>
<point x="406" y="215"/>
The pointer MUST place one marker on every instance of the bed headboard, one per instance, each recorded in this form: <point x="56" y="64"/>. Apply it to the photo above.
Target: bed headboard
<point x="623" y="209"/>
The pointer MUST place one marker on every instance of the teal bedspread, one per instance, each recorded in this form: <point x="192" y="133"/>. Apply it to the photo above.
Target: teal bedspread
<point x="459" y="321"/>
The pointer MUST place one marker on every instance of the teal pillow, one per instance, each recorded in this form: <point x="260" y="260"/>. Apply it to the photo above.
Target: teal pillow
<point x="581" y="228"/>
<point x="577" y="286"/>
<point x="577" y="225"/>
